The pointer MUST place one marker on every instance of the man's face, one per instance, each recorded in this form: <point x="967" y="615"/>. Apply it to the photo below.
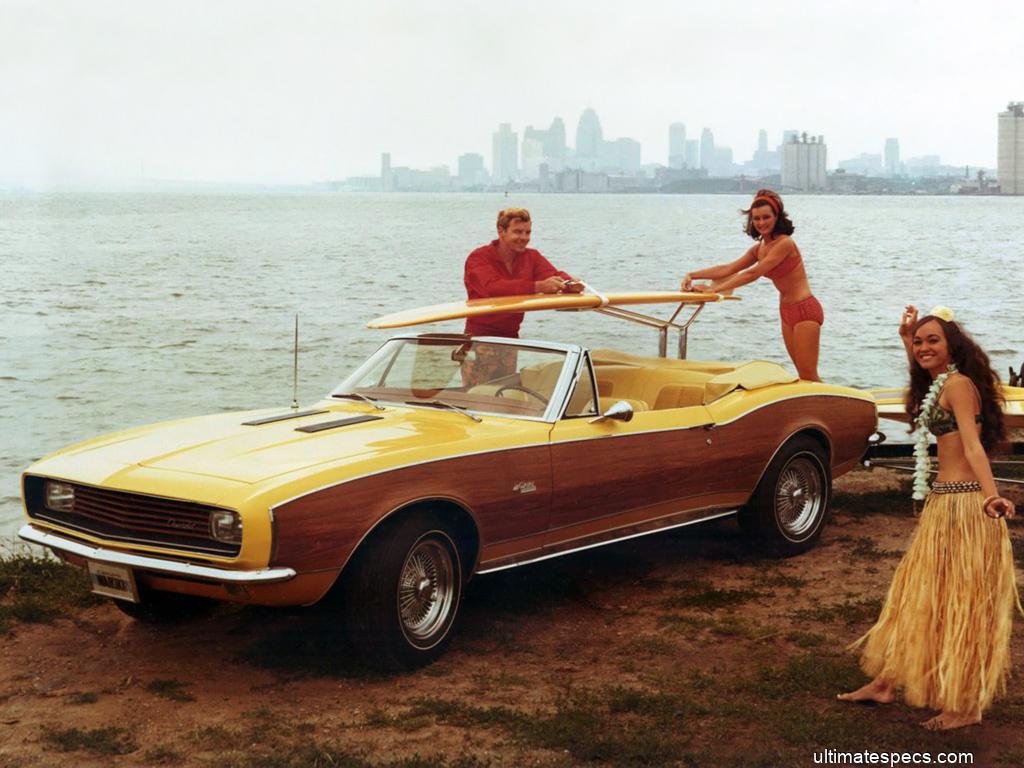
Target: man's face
<point x="516" y="236"/>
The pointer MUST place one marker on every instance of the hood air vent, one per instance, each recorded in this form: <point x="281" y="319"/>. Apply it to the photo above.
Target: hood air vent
<point x="337" y="423"/>
<point x="281" y="417"/>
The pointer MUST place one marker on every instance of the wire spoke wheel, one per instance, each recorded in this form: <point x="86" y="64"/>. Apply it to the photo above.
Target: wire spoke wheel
<point x="799" y="496"/>
<point x="427" y="590"/>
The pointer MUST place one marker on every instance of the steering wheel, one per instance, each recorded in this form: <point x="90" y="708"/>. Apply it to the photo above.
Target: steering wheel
<point x="521" y="388"/>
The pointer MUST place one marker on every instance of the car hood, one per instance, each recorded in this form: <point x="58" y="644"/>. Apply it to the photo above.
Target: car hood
<point x="223" y="446"/>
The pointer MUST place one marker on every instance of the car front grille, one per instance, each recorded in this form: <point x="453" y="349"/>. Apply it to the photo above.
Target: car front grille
<point x="131" y="518"/>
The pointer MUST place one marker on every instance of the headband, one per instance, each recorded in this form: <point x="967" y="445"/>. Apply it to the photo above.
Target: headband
<point x="770" y="200"/>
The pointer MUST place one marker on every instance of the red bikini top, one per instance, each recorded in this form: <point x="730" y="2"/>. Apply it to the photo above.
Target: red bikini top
<point x="785" y="266"/>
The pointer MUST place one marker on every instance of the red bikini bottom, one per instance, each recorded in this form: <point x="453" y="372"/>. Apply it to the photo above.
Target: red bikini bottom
<point x="799" y="311"/>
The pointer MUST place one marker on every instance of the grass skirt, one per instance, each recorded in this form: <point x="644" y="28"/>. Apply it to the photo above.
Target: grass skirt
<point x="943" y="636"/>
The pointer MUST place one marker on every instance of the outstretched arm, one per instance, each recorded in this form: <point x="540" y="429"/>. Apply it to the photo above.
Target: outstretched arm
<point x="778" y="254"/>
<point x="720" y="271"/>
<point x="907" y="322"/>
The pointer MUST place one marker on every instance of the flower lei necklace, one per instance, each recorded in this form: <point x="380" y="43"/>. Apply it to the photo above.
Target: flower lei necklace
<point x="922" y="461"/>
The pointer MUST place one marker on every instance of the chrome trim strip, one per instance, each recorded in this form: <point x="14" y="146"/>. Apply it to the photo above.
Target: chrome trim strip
<point x="154" y="564"/>
<point x="607" y="541"/>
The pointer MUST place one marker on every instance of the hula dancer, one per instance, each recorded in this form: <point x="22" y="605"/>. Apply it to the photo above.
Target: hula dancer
<point x="943" y="637"/>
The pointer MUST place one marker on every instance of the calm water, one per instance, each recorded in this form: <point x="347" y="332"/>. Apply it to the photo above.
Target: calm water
<point x="117" y="310"/>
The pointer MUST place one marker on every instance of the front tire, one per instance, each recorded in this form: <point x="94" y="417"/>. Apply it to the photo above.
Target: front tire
<point x="788" y="509"/>
<point x="402" y="592"/>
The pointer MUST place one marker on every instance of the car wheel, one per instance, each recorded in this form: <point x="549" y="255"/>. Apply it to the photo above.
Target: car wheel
<point x="163" y="607"/>
<point x="402" y="592"/>
<point x="789" y="505"/>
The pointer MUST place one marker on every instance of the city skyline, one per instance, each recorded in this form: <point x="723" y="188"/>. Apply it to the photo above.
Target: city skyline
<point x="266" y="92"/>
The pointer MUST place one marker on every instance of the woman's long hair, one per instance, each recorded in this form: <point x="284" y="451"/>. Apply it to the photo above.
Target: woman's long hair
<point x="972" y="362"/>
<point x="783" y="225"/>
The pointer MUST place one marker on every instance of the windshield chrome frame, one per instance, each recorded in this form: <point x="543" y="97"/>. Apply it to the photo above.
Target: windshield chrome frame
<point x="574" y="355"/>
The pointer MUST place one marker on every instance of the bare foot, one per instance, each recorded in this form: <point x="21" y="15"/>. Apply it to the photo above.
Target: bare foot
<point x="947" y="721"/>
<point x="872" y="693"/>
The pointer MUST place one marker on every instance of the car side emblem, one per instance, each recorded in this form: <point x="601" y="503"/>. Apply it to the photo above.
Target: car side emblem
<point x="524" y="486"/>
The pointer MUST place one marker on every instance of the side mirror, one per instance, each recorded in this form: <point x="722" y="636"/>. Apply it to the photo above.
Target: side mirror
<point x="619" y="411"/>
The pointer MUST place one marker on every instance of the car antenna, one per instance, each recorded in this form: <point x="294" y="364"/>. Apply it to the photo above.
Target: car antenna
<point x="295" y="371"/>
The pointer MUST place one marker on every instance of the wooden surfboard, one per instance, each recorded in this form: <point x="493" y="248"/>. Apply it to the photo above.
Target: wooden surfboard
<point x="536" y="302"/>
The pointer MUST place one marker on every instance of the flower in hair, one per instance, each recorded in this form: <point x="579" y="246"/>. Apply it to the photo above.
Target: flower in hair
<point x="943" y="312"/>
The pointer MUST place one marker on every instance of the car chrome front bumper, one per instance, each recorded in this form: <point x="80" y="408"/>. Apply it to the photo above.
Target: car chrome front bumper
<point x="34" y="535"/>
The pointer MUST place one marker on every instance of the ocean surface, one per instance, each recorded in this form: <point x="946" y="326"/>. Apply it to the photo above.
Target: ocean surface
<point x="118" y="310"/>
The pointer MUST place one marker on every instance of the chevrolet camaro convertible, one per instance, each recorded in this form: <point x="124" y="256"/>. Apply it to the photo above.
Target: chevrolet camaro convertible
<point x="444" y="456"/>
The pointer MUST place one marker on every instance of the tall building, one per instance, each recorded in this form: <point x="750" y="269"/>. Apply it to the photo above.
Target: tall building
<point x="677" y="145"/>
<point x="762" y="140"/>
<point x="803" y="163"/>
<point x="554" y="145"/>
<point x="387" y="180"/>
<point x="1010" y="151"/>
<point x="505" y="149"/>
<point x="588" y="140"/>
<point x="471" y="170"/>
<point x="892" y="157"/>
<point x="707" y="149"/>
<point x="692" y="153"/>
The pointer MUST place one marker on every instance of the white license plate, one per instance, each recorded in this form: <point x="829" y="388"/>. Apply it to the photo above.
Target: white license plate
<point x="115" y="581"/>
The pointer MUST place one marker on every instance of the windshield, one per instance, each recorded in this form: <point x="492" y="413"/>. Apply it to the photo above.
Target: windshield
<point x="476" y="375"/>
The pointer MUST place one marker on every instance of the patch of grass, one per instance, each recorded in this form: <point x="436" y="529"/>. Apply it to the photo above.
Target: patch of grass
<point x="688" y="626"/>
<point x="214" y="737"/>
<point x="618" y="726"/>
<point x="865" y="547"/>
<point x="805" y="639"/>
<point x="170" y="689"/>
<point x="163" y="755"/>
<point x="648" y="646"/>
<point x="701" y="594"/>
<point x="851" y="612"/>
<point x="99" y="741"/>
<point x="38" y="588"/>
<point x="83" y="698"/>
<point x="785" y="580"/>
<point x="810" y="673"/>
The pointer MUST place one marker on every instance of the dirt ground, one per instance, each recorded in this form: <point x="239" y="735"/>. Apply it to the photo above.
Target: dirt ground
<point x="686" y="648"/>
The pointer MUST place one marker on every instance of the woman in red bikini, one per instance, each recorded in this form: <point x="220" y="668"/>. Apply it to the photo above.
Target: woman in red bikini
<point x="776" y="257"/>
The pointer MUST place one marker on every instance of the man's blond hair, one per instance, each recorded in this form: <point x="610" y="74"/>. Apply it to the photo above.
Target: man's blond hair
<point x="509" y="215"/>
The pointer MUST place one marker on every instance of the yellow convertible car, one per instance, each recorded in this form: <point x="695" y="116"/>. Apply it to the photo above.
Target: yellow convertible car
<point x="440" y="457"/>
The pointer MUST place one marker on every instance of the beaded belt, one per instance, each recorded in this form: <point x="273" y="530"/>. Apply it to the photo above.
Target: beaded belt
<point x="958" y="486"/>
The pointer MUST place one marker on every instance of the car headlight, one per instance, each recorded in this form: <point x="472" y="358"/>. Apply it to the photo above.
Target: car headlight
<point x="58" y="496"/>
<point x="226" y="526"/>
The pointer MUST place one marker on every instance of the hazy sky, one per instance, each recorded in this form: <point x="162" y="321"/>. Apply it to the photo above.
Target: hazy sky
<point x="94" y="90"/>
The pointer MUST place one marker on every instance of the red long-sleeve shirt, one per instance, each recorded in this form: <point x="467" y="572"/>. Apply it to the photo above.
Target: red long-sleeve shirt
<point x="487" y="275"/>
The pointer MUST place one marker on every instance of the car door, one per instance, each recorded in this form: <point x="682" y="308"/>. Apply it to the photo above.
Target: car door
<point x="610" y="474"/>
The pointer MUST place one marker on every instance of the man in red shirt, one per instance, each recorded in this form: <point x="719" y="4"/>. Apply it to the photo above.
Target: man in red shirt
<point x="506" y="267"/>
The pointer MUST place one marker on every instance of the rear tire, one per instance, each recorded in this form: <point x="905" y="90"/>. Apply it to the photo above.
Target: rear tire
<point x="790" y="504"/>
<point x="402" y="592"/>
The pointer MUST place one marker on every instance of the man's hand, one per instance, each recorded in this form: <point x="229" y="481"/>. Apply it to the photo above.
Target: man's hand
<point x="572" y="286"/>
<point x="553" y="284"/>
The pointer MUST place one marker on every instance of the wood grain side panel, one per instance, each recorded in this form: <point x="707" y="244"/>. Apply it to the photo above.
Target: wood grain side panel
<point x="320" y="530"/>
